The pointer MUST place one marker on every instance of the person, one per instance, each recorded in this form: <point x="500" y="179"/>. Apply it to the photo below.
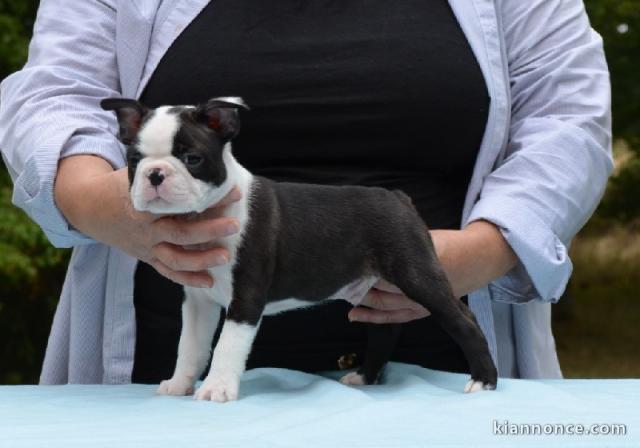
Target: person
<point x="493" y="116"/>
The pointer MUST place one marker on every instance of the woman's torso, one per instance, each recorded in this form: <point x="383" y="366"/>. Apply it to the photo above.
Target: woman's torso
<point x="351" y="92"/>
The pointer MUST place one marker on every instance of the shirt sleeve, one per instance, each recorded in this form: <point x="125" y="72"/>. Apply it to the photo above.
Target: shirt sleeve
<point x="50" y="109"/>
<point x="558" y="155"/>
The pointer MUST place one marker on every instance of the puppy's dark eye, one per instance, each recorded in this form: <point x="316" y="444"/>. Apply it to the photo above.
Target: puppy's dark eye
<point x="192" y="160"/>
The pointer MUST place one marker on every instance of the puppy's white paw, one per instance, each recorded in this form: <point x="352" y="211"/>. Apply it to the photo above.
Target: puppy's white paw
<point x="353" y="379"/>
<point x="218" y="389"/>
<point x="176" y="386"/>
<point x="475" y="386"/>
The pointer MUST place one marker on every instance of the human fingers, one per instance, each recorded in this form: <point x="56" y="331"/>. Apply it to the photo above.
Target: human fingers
<point x="178" y="258"/>
<point x="185" y="233"/>
<point x="384" y="285"/>
<point x="370" y="315"/>
<point x="388" y="301"/>
<point x="201" y="279"/>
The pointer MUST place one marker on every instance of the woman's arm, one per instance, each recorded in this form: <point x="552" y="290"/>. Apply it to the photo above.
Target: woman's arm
<point x="50" y="111"/>
<point x="471" y="258"/>
<point x="558" y="155"/>
<point x="51" y="107"/>
<point x="95" y="200"/>
<point x="474" y="256"/>
<point x="555" y="168"/>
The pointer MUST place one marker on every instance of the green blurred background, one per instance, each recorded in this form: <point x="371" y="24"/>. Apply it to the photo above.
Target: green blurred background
<point x="597" y="323"/>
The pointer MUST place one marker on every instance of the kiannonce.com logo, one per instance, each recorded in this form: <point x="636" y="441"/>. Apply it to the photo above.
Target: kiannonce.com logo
<point x="507" y="428"/>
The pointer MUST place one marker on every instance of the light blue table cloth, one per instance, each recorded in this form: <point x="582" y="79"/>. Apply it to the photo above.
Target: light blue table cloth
<point x="281" y="408"/>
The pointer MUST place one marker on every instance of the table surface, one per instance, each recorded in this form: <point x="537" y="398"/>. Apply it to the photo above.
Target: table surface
<point x="281" y="408"/>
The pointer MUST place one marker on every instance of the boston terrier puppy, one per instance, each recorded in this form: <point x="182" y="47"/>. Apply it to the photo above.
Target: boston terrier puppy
<point x="298" y="245"/>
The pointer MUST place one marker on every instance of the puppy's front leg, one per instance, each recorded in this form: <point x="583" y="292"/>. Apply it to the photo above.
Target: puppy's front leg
<point x="200" y="317"/>
<point x="231" y="353"/>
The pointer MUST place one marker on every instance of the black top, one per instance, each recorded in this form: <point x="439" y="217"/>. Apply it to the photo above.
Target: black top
<point x="342" y="92"/>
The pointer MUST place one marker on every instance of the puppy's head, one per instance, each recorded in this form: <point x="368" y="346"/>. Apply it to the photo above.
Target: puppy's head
<point x="177" y="155"/>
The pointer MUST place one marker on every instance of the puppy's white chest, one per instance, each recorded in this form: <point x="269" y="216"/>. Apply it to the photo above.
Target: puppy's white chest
<point x="222" y="291"/>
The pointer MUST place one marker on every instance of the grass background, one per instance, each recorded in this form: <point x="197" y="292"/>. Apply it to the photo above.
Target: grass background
<point x="597" y="325"/>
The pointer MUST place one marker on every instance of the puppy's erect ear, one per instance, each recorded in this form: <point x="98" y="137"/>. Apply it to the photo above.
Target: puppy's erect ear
<point x="130" y="114"/>
<point x="221" y="115"/>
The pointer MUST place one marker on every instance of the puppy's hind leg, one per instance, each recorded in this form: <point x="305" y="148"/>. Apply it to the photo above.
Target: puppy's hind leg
<point x="417" y="272"/>
<point x="200" y="317"/>
<point x="381" y="340"/>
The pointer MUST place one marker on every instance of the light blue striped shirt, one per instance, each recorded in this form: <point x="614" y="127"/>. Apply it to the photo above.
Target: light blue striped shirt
<point x="541" y="169"/>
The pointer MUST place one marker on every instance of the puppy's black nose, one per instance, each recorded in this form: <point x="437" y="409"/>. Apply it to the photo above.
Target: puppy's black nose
<point x="156" y="177"/>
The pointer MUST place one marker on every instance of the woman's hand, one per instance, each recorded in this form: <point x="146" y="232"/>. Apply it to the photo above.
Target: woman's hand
<point x="95" y="200"/>
<point x="471" y="258"/>
<point x="386" y="304"/>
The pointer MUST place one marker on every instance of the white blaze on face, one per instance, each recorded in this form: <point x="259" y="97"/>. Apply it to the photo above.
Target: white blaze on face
<point x="156" y="137"/>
